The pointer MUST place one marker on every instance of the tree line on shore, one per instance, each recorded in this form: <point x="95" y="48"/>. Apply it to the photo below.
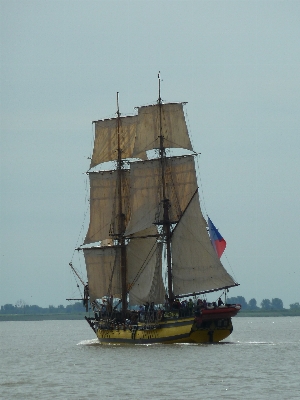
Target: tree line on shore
<point x="22" y="308"/>
<point x="265" y="305"/>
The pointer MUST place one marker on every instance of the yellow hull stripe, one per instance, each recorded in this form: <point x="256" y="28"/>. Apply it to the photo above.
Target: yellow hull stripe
<point x="181" y="331"/>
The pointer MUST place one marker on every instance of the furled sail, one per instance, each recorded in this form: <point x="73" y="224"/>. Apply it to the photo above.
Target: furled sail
<point x="106" y="139"/>
<point x="195" y="264"/>
<point x="103" y="207"/>
<point x="103" y="271"/>
<point x="146" y="190"/>
<point x="173" y="128"/>
<point x="144" y="274"/>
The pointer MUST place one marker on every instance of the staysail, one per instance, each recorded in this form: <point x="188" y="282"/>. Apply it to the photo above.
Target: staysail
<point x="196" y="266"/>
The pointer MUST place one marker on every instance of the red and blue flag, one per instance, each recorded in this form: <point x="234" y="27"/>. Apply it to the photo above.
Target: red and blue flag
<point x="216" y="238"/>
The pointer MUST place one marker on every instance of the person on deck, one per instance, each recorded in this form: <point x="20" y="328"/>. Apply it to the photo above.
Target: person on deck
<point x="190" y="306"/>
<point x="103" y="308"/>
<point x="86" y="296"/>
<point x="146" y="307"/>
<point x="109" y="306"/>
<point x="176" y="304"/>
<point x="141" y="309"/>
<point x="167" y="303"/>
<point x="183" y="308"/>
<point x="200" y="303"/>
<point x="220" y="302"/>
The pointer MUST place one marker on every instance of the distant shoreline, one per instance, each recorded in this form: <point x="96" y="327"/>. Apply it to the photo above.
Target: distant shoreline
<point x="42" y="317"/>
<point x="80" y="316"/>
<point x="269" y="313"/>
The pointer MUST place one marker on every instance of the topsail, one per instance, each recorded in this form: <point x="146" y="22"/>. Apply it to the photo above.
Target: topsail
<point x="161" y="119"/>
<point x="146" y="193"/>
<point x="106" y="139"/>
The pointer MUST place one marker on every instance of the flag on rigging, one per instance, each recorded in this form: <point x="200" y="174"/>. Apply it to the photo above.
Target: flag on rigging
<point x="216" y="238"/>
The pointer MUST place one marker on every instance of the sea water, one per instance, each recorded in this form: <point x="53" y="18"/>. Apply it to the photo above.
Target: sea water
<point x="63" y="360"/>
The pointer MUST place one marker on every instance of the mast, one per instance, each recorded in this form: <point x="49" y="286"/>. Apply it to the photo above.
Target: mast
<point x="166" y="202"/>
<point x="121" y="218"/>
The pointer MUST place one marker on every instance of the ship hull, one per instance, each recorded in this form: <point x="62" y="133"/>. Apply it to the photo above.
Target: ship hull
<point x="183" y="330"/>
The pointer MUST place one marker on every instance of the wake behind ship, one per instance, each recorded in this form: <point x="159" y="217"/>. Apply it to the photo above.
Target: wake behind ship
<point x="149" y="257"/>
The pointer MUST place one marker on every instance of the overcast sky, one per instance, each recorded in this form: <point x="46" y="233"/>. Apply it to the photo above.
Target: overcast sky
<point x="237" y="65"/>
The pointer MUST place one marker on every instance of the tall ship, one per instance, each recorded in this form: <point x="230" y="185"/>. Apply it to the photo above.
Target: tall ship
<point x="150" y="255"/>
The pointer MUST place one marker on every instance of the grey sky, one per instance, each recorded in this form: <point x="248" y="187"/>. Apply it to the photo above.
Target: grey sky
<point x="237" y="65"/>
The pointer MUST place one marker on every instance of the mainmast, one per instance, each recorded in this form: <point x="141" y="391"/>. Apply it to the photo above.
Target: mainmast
<point x="121" y="218"/>
<point x="166" y="202"/>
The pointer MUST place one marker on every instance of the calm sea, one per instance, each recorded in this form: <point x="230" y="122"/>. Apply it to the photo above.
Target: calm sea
<point x="62" y="360"/>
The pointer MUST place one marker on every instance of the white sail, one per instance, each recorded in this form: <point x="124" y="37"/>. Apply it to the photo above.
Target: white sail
<point x="173" y="128"/>
<point x="144" y="269"/>
<point x="106" y="139"/>
<point x="103" y="204"/>
<point x="195" y="264"/>
<point x="146" y="190"/>
<point x="103" y="271"/>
